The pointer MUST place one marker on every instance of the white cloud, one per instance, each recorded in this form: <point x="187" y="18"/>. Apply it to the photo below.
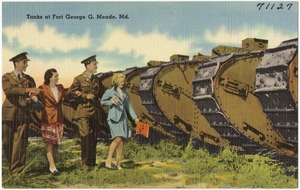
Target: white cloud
<point x="107" y="65"/>
<point x="225" y="36"/>
<point x="151" y="46"/>
<point x="47" y="39"/>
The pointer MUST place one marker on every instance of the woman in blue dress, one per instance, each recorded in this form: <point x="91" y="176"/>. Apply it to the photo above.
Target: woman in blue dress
<point x="119" y="106"/>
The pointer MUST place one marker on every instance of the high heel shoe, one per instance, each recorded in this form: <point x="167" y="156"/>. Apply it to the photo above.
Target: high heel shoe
<point x="119" y="167"/>
<point x="54" y="172"/>
<point x="107" y="166"/>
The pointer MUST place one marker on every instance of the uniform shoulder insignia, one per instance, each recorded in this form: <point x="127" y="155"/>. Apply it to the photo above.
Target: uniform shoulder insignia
<point x="78" y="77"/>
<point x="8" y="75"/>
<point x="27" y="76"/>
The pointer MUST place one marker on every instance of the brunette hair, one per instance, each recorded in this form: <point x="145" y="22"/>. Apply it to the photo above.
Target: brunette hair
<point x="48" y="75"/>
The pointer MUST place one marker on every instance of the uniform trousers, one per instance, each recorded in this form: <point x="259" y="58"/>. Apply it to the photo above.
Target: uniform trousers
<point x="88" y="136"/>
<point x="14" y="141"/>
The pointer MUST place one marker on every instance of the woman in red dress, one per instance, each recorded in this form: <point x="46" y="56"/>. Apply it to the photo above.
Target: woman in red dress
<point x="52" y="119"/>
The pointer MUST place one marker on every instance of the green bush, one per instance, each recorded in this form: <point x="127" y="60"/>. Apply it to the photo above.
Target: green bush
<point x="230" y="160"/>
<point x="168" y="149"/>
<point x="263" y="172"/>
<point x="138" y="151"/>
<point x="189" y="151"/>
<point x="200" y="166"/>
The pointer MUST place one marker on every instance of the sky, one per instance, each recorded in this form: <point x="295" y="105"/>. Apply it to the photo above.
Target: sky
<point x="148" y="31"/>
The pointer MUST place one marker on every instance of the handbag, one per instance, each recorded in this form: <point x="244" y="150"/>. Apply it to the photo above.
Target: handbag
<point x="142" y="129"/>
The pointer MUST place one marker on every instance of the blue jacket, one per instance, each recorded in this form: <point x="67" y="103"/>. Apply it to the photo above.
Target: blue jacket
<point x="115" y="112"/>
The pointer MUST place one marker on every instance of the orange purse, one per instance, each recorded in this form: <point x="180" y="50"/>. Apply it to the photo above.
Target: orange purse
<point x="142" y="129"/>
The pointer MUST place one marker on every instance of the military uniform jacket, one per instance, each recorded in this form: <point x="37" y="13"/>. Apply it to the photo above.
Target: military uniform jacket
<point x="86" y="107"/>
<point x="16" y="106"/>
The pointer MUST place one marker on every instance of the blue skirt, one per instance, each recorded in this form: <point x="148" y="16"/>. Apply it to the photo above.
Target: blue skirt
<point x="120" y="129"/>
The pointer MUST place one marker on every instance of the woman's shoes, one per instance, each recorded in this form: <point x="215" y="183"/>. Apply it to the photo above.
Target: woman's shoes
<point x="107" y="166"/>
<point x="54" y="172"/>
<point x="116" y="167"/>
<point x="119" y="167"/>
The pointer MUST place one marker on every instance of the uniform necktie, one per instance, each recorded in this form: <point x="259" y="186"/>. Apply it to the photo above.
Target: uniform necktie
<point x="19" y="76"/>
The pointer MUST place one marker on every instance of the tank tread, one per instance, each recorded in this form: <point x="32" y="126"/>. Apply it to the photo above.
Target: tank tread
<point x="204" y="97"/>
<point x="150" y="103"/>
<point x="157" y="130"/>
<point x="272" y="89"/>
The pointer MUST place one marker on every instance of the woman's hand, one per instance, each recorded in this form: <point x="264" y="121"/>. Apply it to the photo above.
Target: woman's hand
<point x="34" y="98"/>
<point x="90" y="96"/>
<point x="114" y="100"/>
<point x="136" y="120"/>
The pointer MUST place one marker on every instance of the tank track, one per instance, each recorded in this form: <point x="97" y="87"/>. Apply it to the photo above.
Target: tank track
<point x="156" y="132"/>
<point x="172" y="88"/>
<point x="203" y="88"/>
<point x="150" y="103"/>
<point x="274" y="78"/>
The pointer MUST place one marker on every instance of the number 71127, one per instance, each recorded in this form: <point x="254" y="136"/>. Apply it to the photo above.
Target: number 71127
<point x="274" y="6"/>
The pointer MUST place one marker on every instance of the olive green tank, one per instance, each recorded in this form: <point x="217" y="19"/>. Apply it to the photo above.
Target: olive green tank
<point x="276" y="86"/>
<point x="224" y="89"/>
<point x="156" y="132"/>
<point x="169" y="87"/>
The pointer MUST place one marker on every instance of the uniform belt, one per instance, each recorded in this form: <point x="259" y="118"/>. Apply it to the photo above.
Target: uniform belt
<point x="86" y="101"/>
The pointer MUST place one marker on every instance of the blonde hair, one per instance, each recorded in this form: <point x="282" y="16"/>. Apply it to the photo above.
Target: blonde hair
<point x="115" y="78"/>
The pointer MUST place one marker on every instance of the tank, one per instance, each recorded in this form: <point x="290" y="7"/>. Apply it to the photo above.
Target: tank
<point x="156" y="132"/>
<point x="35" y="124"/>
<point x="248" y="44"/>
<point x="172" y="92"/>
<point x="146" y="92"/>
<point x="224" y="92"/>
<point x="71" y="129"/>
<point x="276" y="86"/>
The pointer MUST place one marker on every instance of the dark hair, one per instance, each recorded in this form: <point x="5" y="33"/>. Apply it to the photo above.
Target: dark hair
<point x="86" y="64"/>
<point x="48" y="75"/>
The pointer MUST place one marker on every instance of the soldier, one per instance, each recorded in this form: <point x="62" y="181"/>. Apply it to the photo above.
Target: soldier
<point x="20" y="90"/>
<point x="87" y="110"/>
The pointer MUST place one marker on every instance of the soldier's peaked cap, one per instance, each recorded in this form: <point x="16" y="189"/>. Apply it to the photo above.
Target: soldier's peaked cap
<point x="89" y="60"/>
<point x="20" y="57"/>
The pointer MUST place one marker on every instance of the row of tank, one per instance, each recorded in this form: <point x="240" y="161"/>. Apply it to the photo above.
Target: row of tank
<point x="242" y="98"/>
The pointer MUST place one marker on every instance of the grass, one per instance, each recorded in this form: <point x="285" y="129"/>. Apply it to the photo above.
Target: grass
<point x="163" y="165"/>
